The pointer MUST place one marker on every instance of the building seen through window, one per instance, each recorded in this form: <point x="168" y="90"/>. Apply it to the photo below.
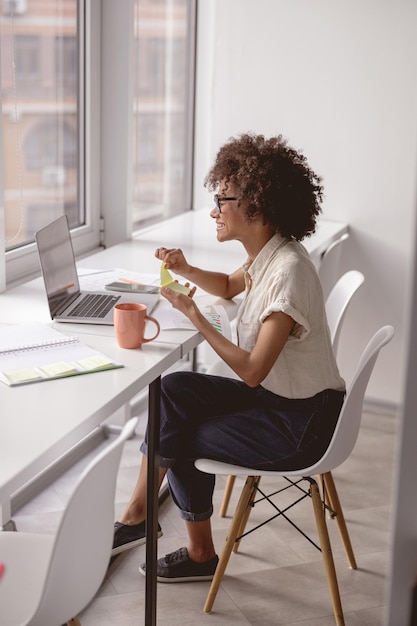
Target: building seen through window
<point x="42" y="74"/>
<point x="163" y="108"/>
<point x="41" y="133"/>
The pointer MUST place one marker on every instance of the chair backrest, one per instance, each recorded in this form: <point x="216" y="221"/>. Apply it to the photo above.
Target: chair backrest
<point x="329" y="265"/>
<point x="83" y="542"/>
<point x="338" y="301"/>
<point x="347" y="429"/>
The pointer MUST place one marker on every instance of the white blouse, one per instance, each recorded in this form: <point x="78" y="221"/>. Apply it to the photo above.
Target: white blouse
<point x="283" y="278"/>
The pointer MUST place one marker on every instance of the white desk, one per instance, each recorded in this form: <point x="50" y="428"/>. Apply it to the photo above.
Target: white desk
<point x="42" y="421"/>
<point x="193" y="231"/>
<point x="39" y="422"/>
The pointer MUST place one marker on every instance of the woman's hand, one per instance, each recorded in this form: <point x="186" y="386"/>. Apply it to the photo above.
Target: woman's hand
<point x="216" y="283"/>
<point x="180" y="301"/>
<point x="174" y="260"/>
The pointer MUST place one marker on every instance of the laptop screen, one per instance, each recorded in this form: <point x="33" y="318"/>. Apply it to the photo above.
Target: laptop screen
<point x="57" y="261"/>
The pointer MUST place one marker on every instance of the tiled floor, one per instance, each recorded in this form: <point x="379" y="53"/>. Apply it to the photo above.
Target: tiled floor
<point x="277" y="577"/>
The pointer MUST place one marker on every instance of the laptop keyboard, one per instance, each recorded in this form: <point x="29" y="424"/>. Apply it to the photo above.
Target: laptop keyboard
<point x="94" y="305"/>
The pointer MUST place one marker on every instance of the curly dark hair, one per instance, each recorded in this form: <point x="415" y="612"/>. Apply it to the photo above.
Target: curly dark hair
<point x="271" y="180"/>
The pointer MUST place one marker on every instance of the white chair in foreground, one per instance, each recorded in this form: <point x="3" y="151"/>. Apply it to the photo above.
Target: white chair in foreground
<point x="49" y="579"/>
<point x="339" y="449"/>
<point x="336" y="307"/>
<point x="328" y="269"/>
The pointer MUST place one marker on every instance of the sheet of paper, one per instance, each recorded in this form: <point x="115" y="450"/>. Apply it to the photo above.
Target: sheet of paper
<point x="95" y="280"/>
<point x="170" y="318"/>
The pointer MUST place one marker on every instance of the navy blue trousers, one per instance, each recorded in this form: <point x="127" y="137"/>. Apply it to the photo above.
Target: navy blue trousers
<point x="225" y="420"/>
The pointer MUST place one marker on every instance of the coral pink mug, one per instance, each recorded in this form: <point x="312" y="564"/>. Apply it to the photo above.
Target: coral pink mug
<point x="129" y="324"/>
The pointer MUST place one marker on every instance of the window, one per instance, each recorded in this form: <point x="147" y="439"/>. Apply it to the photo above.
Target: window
<point x="27" y="59"/>
<point x="163" y="108"/>
<point x="42" y="150"/>
<point x="41" y="78"/>
<point x="83" y="132"/>
<point x="66" y="64"/>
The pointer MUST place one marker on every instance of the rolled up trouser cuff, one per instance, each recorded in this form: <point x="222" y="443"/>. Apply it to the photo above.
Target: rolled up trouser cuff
<point x="163" y="461"/>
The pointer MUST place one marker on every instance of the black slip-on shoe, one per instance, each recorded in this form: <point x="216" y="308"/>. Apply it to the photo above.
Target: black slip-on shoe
<point x="177" y="567"/>
<point x="129" y="536"/>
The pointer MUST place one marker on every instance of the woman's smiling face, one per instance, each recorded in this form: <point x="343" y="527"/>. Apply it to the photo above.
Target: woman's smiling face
<point x="230" y="219"/>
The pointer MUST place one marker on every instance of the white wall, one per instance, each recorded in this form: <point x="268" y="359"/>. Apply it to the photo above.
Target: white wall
<point x="2" y="231"/>
<point x="339" y="80"/>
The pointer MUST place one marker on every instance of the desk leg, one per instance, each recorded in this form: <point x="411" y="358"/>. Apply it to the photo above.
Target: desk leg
<point x="154" y="419"/>
<point x="194" y="360"/>
<point x="6" y="522"/>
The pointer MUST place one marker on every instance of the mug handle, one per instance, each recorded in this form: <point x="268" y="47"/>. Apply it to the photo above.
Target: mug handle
<point x="158" y="329"/>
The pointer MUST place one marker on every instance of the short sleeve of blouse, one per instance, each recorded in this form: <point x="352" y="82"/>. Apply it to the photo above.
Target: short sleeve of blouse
<point x="302" y="326"/>
<point x="289" y="292"/>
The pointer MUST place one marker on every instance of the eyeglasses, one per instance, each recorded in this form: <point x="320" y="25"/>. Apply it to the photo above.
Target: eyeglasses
<point x="219" y="199"/>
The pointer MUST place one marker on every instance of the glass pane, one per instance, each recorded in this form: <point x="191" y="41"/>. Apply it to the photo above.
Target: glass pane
<point x="164" y="62"/>
<point x="40" y="79"/>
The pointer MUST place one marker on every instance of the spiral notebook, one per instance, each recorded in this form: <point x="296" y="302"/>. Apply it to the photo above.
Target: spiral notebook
<point x="36" y="352"/>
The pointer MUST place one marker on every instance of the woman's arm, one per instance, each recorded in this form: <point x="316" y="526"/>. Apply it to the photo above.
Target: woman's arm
<point x="252" y="367"/>
<point x="216" y="283"/>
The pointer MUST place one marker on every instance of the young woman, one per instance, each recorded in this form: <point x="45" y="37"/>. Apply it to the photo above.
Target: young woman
<point x="281" y="408"/>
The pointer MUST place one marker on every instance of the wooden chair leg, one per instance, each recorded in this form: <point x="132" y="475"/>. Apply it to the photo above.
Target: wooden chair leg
<point x="327" y="553"/>
<point x="247" y="513"/>
<point x="334" y="501"/>
<point x="327" y="497"/>
<point x="245" y="498"/>
<point x="226" y="495"/>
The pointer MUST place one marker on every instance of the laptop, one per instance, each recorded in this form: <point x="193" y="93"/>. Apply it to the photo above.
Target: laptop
<point x="67" y="303"/>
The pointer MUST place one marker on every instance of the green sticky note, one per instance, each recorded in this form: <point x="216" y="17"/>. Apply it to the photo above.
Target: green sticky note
<point x="57" y="369"/>
<point x="21" y="375"/>
<point x="95" y="362"/>
<point x="168" y="281"/>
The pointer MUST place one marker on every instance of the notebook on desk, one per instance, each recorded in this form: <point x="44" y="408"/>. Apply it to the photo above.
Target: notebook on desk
<point x="67" y="303"/>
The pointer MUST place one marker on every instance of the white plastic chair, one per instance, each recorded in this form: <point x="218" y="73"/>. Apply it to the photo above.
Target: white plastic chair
<point x="338" y="301"/>
<point x="339" y="449"/>
<point x="336" y="307"/>
<point x="328" y="269"/>
<point x="48" y="579"/>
